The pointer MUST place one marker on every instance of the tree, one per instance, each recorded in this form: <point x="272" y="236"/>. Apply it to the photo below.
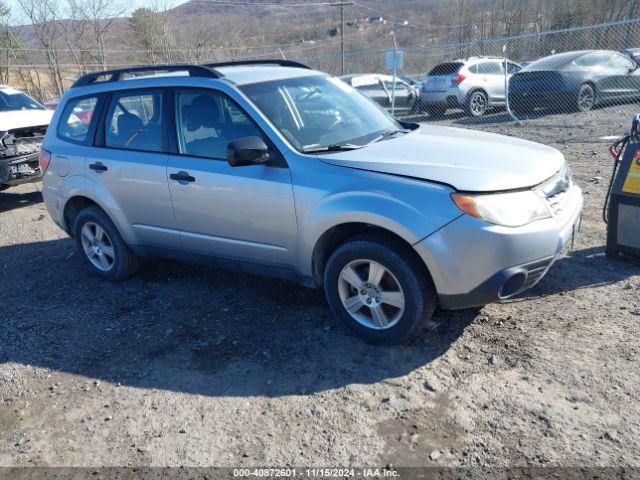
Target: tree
<point x="44" y="16"/>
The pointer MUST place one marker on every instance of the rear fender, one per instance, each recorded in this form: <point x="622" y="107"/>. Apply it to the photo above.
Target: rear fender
<point x="78" y="186"/>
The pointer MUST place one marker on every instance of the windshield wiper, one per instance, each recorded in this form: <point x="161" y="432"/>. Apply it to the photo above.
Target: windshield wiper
<point x="388" y="134"/>
<point x="337" y="147"/>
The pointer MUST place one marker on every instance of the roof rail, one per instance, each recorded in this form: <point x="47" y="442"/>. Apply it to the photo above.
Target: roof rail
<point x="281" y="63"/>
<point x="115" y="75"/>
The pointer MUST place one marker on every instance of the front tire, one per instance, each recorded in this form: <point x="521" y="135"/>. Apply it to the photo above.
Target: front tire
<point x="101" y="246"/>
<point x="379" y="290"/>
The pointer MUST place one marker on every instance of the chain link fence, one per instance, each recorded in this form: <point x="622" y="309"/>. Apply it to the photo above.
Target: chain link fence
<point x="470" y="77"/>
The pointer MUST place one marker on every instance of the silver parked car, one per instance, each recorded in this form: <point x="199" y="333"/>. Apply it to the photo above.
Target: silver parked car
<point x="382" y="89"/>
<point x="474" y="84"/>
<point x="277" y="169"/>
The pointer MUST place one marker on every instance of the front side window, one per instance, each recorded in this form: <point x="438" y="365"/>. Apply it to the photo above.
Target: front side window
<point x="317" y="112"/>
<point x="208" y="121"/>
<point x="76" y="119"/>
<point x="134" y="121"/>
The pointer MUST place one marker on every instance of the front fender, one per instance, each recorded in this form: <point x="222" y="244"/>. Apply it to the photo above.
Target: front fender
<point x="412" y="215"/>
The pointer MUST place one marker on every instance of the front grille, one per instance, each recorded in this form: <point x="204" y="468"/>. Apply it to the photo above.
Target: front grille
<point x="559" y="202"/>
<point x="558" y="192"/>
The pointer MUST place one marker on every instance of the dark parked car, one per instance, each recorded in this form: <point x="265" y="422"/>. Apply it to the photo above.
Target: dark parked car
<point x="575" y="80"/>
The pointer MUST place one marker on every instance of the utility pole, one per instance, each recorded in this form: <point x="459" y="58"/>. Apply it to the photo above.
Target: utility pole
<point x="342" y="5"/>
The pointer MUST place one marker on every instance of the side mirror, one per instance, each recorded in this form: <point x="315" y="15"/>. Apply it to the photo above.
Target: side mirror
<point x="247" y="151"/>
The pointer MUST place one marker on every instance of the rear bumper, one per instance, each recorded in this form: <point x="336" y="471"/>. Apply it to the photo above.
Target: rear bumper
<point x="448" y="98"/>
<point x="474" y="263"/>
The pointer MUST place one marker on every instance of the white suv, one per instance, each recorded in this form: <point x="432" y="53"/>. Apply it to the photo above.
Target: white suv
<point x="474" y="84"/>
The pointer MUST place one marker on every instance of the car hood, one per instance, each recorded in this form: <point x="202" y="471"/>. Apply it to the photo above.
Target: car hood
<point x="467" y="160"/>
<point x="24" y="118"/>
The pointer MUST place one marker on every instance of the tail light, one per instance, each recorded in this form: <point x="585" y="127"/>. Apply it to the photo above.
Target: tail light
<point x="44" y="159"/>
<point x="457" y="79"/>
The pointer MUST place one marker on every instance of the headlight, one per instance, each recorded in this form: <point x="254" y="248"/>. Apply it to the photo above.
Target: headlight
<point x="507" y="209"/>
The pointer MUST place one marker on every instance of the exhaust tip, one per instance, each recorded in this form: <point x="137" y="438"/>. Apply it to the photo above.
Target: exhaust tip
<point x="513" y="285"/>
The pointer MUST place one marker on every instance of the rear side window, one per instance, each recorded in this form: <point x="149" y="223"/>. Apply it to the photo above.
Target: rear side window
<point x="598" y="59"/>
<point x="134" y="121"/>
<point x="491" y="68"/>
<point x="446" y="68"/>
<point x="76" y="119"/>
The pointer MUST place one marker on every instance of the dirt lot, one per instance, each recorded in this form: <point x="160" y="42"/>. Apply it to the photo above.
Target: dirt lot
<point x="184" y="365"/>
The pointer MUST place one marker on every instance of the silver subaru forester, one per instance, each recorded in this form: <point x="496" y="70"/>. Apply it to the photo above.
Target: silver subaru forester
<point x="273" y="168"/>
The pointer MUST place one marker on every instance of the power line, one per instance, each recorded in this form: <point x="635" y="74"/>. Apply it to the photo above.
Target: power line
<point x="259" y="5"/>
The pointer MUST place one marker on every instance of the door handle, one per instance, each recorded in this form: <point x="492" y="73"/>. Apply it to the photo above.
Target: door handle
<point x="182" y="177"/>
<point x="98" y="167"/>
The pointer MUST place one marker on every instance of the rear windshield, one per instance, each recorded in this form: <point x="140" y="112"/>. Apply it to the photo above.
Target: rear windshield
<point x="446" y="68"/>
<point x="554" y="62"/>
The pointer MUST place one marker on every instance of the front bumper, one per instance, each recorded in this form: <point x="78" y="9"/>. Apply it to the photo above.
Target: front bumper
<point x="16" y="171"/>
<point x="474" y="263"/>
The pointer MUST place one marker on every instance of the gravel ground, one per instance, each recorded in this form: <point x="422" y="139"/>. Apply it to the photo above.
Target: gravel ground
<point x="184" y="365"/>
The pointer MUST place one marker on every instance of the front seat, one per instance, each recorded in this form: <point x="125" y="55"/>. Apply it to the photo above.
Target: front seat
<point x="129" y="128"/>
<point x="204" y="113"/>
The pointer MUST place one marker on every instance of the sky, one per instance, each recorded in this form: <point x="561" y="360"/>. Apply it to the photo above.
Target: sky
<point x="133" y="4"/>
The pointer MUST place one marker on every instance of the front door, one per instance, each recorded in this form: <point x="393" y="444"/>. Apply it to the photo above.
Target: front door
<point x="245" y="213"/>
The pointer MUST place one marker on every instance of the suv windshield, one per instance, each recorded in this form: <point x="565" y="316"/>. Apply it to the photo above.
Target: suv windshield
<point x="316" y="113"/>
<point x="11" y="99"/>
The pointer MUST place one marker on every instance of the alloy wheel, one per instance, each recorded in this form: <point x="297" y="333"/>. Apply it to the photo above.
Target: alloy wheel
<point x="586" y="98"/>
<point x="371" y="294"/>
<point x="97" y="246"/>
<point x="478" y="104"/>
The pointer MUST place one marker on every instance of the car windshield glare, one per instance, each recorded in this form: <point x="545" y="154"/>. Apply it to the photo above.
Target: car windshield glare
<point x="320" y="113"/>
<point x="11" y="99"/>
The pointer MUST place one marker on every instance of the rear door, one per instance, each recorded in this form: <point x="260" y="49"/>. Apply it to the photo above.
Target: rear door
<point x="129" y="163"/>
<point x="493" y="80"/>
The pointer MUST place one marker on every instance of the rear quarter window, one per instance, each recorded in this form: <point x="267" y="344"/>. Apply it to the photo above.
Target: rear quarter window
<point x="75" y="121"/>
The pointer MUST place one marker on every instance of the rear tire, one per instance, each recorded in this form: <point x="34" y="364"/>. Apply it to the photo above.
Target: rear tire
<point x="436" y="111"/>
<point x="101" y="246"/>
<point x="477" y="104"/>
<point x="390" y="298"/>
